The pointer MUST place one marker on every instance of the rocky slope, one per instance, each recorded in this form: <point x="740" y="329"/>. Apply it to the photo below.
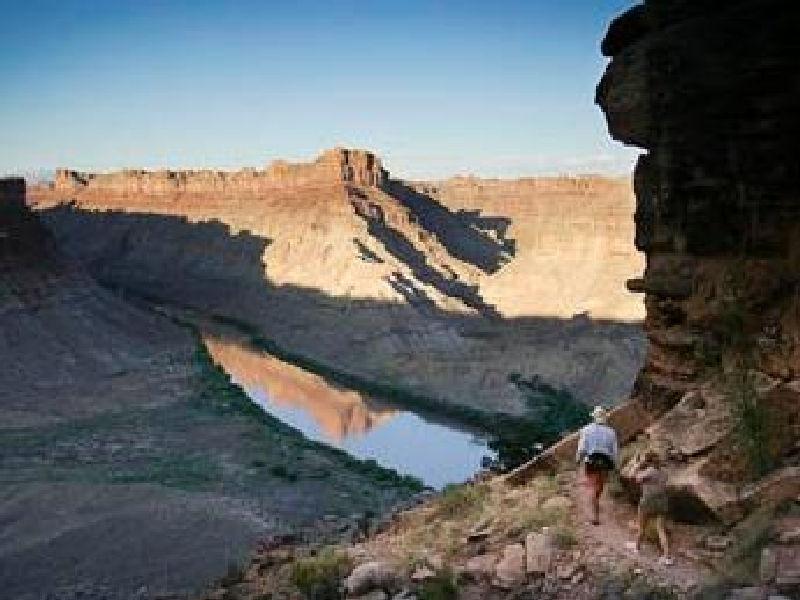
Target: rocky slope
<point x="710" y="89"/>
<point x="124" y="456"/>
<point x="447" y="290"/>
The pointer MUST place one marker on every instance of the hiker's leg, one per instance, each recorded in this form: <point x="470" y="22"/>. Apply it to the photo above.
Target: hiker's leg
<point x="641" y="527"/>
<point x="601" y="484"/>
<point x="597" y="491"/>
<point x="662" y="535"/>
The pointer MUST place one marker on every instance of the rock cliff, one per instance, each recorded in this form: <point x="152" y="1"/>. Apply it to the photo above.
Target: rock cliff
<point x="709" y="90"/>
<point x="337" y="165"/>
<point x="427" y="286"/>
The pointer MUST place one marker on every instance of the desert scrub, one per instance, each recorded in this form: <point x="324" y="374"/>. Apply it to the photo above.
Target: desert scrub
<point x="461" y="500"/>
<point x="441" y="586"/>
<point x="319" y="577"/>
<point x="564" y="536"/>
<point x="751" y="419"/>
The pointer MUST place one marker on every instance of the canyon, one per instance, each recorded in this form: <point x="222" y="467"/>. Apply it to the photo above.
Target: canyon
<point x="123" y="459"/>
<point x="477" y="304"/>
<point x="451" y="291"/>
<point x="709" y="90"/>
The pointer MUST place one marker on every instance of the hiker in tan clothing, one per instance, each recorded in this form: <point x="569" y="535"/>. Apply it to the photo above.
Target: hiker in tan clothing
<point x="654" y="502"/>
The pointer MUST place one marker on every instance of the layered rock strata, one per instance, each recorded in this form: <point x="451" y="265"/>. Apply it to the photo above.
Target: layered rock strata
<point x="352" y="166"/>
<point x="446" y="289"/>
<point x="710" y="90"/>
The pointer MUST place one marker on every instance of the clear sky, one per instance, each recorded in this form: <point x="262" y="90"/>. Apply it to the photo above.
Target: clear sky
<point x="495" y="88"/>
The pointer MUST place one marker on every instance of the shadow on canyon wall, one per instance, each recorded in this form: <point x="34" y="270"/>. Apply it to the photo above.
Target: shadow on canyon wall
<point x="400" y="247"/>
<point x="412" y="352"/>
<point x="464" y="233"/>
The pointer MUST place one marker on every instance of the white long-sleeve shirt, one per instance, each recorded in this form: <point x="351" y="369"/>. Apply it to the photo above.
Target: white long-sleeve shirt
<point x="597" y="438"/>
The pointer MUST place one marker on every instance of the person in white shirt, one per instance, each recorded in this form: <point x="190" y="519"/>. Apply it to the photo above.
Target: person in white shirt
<point x="598" y="452"/>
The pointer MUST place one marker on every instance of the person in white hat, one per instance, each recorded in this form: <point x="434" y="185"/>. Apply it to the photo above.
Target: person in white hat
<point x="598" y="452"/>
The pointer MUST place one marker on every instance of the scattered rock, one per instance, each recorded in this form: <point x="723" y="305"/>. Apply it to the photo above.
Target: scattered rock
<point x="422" y="574"/>
<point x="539" y="553"/>
<point x="769" y="565"/>
<point x="474" y="537"/>
<point x="789" y="537"/>
<point x="557" y="504"/>
<point x="567" y="571"/>
<point x="747" y="593"/>
<point x="371" y="576"/>
<point x="373" y="595"/>
<point x="717" y="543"/>
<point x="481" y="567"/>
<point x="510" y="571"/>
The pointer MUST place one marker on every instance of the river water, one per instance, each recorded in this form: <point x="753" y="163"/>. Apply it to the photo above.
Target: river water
<point x="363" y="426"/>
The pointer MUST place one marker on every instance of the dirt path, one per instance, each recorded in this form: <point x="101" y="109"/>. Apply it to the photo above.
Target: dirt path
<point x="606" y="543"/>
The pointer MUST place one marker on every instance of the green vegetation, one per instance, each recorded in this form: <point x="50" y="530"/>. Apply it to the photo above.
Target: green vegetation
<point x="440" y="587"/>
<point x="619" y="584"/>
<point x="319" y="577"/>
<point x="752" y="423"/>
<point x="461" y="500"/>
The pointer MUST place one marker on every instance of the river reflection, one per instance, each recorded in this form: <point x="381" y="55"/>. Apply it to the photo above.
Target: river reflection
<point x="361" y="425"/>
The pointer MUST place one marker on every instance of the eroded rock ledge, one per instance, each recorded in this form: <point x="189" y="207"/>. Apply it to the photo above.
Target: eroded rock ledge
<point x="710" y="90"/>
<point x="358" y="167"/>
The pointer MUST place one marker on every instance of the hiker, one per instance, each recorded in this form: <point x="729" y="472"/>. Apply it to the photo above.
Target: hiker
<point x="654" y="502"/>
<point x="597" y="451"/>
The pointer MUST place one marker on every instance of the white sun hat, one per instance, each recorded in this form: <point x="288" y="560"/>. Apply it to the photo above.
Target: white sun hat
<point x="599" y="414"/>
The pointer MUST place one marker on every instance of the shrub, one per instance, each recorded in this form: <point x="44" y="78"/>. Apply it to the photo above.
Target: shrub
<point x="318" y="577"/>
<point x="440" y="587"/>
<point x="458" y="500"/>
<point x="751" y="419"/>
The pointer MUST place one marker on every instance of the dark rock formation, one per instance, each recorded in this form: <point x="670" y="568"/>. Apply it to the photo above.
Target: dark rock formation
<point x="710" y="89"/>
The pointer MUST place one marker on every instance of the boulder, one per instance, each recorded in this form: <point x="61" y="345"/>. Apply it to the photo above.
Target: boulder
<point x="370" y="576"/>
<point x="510" y="571"/>
<point x="695" y="424"/>
<point x="539" y="553"/>
<point x="479" y="568"/>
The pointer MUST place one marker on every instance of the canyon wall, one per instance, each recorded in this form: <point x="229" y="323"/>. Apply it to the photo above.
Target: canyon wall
<point x="120" y="475"/>
<point x="449" y="293"/>
<point x="710" y="89"/>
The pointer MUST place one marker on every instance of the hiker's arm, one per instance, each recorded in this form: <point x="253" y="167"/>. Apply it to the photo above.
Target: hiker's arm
<point x="616" y="452"/>
<point x="581" y="448"/>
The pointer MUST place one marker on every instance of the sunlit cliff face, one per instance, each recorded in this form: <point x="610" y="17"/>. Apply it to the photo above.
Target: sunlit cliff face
<point x="339" y="413"/>
<point x="545" y="247"/>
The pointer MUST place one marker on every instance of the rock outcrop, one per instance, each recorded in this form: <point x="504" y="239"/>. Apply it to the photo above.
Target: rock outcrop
<point x="358" y="167"/>
<point x="710" y="90"/>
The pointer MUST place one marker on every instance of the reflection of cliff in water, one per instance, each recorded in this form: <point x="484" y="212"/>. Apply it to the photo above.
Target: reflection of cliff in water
<point x="339" y="413"/>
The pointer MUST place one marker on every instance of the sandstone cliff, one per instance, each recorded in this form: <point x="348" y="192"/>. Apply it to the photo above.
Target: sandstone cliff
<point x="447" y="289"/>
<point x="709" y="89"/>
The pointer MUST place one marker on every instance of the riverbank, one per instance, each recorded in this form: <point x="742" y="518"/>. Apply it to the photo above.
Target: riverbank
<point x="552" y="411"/>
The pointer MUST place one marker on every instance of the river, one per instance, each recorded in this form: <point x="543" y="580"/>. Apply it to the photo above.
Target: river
<point x="361" y="425"/>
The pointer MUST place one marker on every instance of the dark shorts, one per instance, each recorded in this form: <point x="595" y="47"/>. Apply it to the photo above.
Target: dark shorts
<point x="598" y="463"/>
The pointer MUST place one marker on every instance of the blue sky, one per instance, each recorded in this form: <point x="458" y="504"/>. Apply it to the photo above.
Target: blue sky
<point x="494" y="88"/>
